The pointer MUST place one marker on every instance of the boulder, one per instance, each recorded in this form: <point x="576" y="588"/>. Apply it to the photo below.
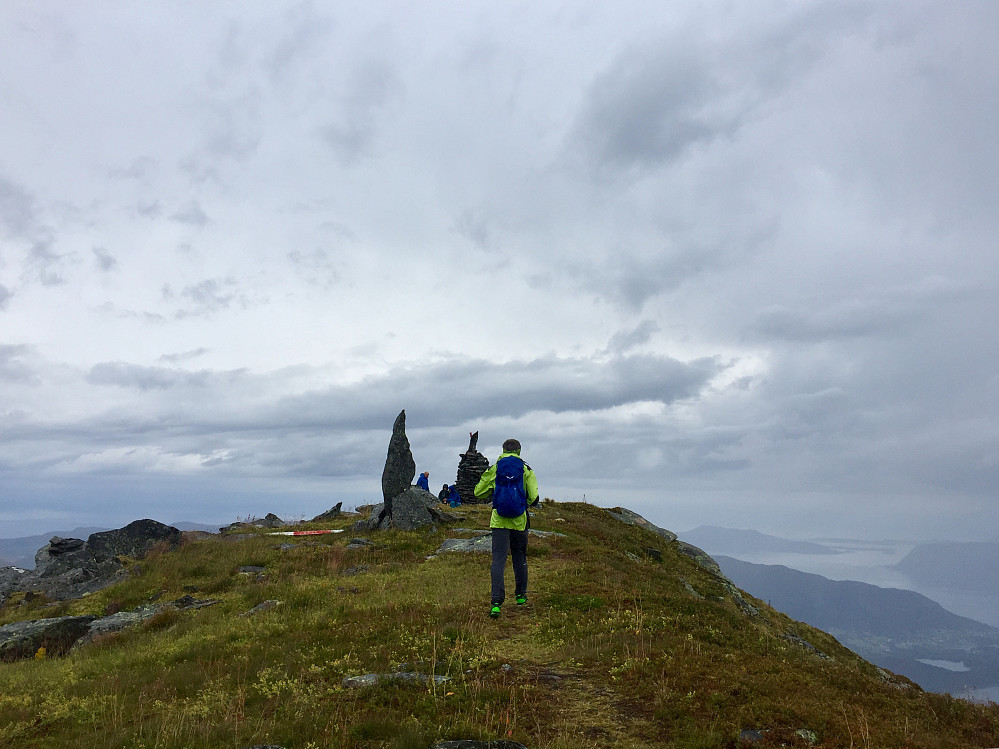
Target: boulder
<point x="23" y="639"/>
<point x="400" y="468"/>
<point x="414" y="508"/>
<point x="135" y="540"/>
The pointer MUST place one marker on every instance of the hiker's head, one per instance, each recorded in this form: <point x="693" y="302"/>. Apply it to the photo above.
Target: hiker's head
<point x="444" y="487"/>
<point x="427" y="474"/>
<point x="511" y="446"/>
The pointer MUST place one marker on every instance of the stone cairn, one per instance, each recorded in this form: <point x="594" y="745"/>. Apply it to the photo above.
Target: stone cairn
<point x="473" y="464"/>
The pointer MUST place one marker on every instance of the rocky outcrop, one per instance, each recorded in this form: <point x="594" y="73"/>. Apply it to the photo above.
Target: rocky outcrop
<point x="472" y="464"/>
<point x="331" y="514"/>
<point x="270" y="520"/>
<point x="135" y="540"/>
<point x="70" y="567"/>
<point x="59" y="635"/>
<point x="629" y="517"/>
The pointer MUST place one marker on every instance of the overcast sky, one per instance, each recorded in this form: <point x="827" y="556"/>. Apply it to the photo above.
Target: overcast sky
<point x="722" y="263"/>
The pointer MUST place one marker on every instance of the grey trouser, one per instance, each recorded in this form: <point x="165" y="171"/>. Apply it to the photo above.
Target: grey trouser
<point x="506" y="541"/>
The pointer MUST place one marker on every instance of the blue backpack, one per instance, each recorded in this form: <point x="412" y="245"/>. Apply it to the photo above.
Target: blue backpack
<point x="509" y="497"/>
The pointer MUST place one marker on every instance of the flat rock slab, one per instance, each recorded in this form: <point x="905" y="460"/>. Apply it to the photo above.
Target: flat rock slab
<point x="483" y="542"/>
<point x="370" y="680"/>
<point x="471" y="744"/>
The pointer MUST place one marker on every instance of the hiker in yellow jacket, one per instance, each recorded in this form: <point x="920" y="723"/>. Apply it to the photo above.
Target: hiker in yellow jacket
<point x="509" y="525"/>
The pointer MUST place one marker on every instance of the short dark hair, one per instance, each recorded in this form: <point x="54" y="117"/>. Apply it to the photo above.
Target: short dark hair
<point x="511" y="446"/>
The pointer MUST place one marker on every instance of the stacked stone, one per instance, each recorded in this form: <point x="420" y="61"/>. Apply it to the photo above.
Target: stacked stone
<point x="470" y="469"/>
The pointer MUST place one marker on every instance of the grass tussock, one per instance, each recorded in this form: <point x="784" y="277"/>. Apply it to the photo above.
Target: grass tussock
<point x="614" y="649"/>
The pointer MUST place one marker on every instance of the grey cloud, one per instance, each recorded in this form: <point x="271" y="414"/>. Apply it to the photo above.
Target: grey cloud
<point x="13" y="364"/>
<point x="46" y="265"/>
<point x="125" y="375"/>
<point x="352" y="132"/>
<point x="192" y="214"/>
<point x="149" y="210"/>
<point x="184" y="356"/>
<point x="306" y="31"/>
<point x="657" y="101"/>
<point x="318" y="266"/>
<point x="5" y="296"/>
<point x="104" y="260"/>
<point x="625" y="340"/>
<point x="457" y="390"/>
<point x="208" y="296"/>
<point x="17" y="209"/>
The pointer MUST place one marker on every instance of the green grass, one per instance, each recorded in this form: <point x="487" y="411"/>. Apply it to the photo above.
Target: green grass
<point x="612" y="650"/>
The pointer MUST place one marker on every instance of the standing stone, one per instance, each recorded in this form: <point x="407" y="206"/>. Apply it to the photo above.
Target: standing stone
<point x="470" y="469"/>
<point x="400" y="468"/>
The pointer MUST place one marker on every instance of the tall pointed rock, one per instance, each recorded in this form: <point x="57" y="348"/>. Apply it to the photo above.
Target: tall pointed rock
<point x="400" y="468"/>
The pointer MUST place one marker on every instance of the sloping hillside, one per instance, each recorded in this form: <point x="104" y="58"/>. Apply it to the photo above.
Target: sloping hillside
<point x="626" y="642"/>
<point x="897" y="629"/>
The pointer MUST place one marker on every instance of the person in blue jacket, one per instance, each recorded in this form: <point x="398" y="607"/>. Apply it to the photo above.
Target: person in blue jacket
<point x="509" y="534"/>
<point x="424" y="481"/>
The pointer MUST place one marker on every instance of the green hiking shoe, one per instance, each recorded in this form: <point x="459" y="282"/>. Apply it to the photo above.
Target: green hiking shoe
<point x="494" y="611"/>
<point x="521" y="600"/>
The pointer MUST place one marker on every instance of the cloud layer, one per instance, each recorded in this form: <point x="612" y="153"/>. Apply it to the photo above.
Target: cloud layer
<point x="722" y="265"/>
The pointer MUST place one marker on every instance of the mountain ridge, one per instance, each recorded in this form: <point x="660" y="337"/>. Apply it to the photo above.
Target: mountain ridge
<point x="628" y="640"/>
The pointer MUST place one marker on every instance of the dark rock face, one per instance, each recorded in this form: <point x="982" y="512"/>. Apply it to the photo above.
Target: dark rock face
<point x="400" y="468"/>
<point x="135" y="540"/>
<point x="471" y="466"/>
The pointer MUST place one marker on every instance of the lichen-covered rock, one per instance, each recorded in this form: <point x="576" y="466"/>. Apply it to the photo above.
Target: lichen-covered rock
<point x="23" y="639"/>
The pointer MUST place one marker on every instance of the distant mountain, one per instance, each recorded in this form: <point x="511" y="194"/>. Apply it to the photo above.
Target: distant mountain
<point x="716" y="540"/>
<point x="209" y="527"/>
<point x="964" y="566"/>
<point x="20" y="552"/>
<point x="900" y="630"/>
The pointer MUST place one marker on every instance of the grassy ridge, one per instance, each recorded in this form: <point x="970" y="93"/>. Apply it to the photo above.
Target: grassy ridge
<point x="614" y="649"/>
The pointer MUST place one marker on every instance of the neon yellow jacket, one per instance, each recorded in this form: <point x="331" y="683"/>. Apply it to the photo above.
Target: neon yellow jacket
<point x="484" y="489"/>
